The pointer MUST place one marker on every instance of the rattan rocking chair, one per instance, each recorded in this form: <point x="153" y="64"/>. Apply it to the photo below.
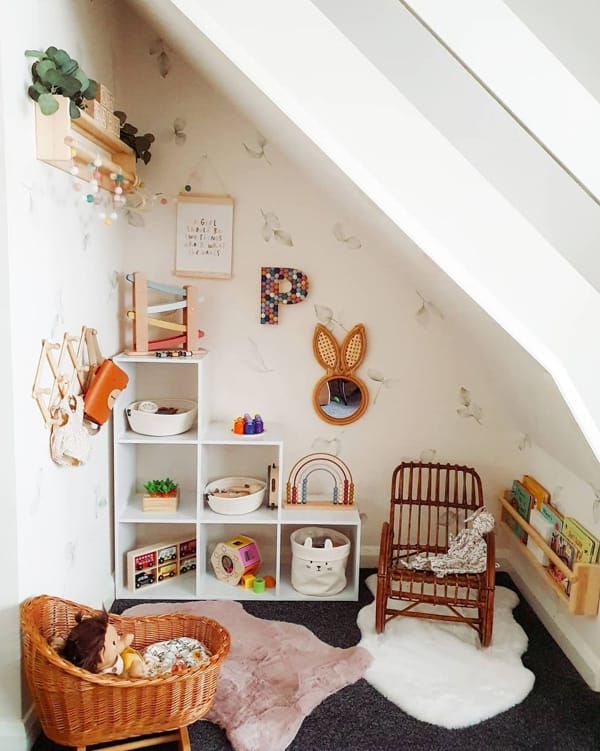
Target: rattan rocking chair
<point x="428" y="502"/>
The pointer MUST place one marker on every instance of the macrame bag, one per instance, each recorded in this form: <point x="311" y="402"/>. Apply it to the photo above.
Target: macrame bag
<point x="107" y="380"/>
<point x="70" y="441"/>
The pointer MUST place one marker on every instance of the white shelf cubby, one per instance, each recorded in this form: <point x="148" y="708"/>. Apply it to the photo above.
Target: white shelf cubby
<point x="207" y="452"/>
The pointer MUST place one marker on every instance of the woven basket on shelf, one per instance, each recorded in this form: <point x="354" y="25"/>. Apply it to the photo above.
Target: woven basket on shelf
<point x="79" y="708"/>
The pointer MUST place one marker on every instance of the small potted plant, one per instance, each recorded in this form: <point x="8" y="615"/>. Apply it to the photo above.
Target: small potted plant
<point x="161" y="495"/>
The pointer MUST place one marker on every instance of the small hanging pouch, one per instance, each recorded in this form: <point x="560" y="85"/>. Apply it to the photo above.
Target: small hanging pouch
<point x="107" y="380"/>
<point x="70" y="441"/>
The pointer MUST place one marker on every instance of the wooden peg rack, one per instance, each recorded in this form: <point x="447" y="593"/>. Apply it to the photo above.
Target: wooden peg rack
<point x="64" y="369"/>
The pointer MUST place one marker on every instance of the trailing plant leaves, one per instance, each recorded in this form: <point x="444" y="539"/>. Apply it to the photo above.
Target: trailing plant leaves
<point x="69" y="86"/>
<point x="164" y="64"/>
<point x="84" y="81"/>
<point x="74" y="111"/>
<point x="43" y="66"/>
<point x="34" y="53"/>
<point x="53" y="77"/>
<point x="140" y="144"/>
<point x="33" y="93"/>
<point x="90" y="92"/>
<point x="48" y="104"/>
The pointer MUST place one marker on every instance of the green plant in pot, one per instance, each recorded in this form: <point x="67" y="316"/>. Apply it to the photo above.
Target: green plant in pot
<point x="162" y="488"/>
<point x="56" y="73"/>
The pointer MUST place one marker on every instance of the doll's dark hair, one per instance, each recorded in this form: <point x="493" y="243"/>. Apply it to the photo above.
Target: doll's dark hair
<point x="86" y="641"/>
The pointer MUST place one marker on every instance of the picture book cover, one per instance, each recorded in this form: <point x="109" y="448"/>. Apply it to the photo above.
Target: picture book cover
<point x="585" y="543"/>
<point x="567" y="553"/>
<point x="522" y="501"/>
<point x="539" y="492"/>
<point x="545" y="529"/>
<point x="553" y="515"/>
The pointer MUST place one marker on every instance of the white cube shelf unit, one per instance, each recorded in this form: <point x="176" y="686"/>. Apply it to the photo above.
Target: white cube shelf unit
<point x="207" y="452"/>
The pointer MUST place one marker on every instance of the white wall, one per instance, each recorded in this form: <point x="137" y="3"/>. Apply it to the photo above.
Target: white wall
<point x="475" y="123"/>
<point x="377" y="284"/>
<point x="61" y="263"/>
<point x="569" y="30"/>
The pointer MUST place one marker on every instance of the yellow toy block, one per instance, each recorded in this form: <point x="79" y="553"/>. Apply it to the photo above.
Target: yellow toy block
<point x="248" y="581"/>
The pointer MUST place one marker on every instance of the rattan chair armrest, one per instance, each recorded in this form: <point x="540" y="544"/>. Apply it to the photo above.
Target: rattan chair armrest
<point x="490" y="577"/>
<point x="385" y="547"/>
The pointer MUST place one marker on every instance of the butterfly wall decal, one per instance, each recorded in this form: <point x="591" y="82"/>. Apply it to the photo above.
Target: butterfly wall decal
<point x="381" y="381"/>
<point x="178" y="131"/>
<point x="272" y="229"/>
<point x="468" y="407"/>
<point x="349" y="241"/>
<point x="258" y="153"/>
<point x="163" y="60"/>
<point x="256" y="361"/>
<point x="426" y="310"/>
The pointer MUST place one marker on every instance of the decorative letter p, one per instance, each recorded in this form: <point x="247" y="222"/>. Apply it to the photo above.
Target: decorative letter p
<point x="271" y="297"/>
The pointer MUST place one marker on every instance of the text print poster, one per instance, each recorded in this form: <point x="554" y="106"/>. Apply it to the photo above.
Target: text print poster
<point x="204" y="244"/>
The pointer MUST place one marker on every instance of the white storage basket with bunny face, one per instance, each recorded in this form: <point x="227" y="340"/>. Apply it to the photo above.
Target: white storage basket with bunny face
<point x="319" y="558"/>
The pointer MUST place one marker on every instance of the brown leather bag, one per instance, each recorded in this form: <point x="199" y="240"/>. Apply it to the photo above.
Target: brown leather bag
<point x="106" y="382"/>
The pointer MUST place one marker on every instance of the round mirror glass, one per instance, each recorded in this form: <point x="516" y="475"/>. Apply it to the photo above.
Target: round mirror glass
<point x="339" y="398"/>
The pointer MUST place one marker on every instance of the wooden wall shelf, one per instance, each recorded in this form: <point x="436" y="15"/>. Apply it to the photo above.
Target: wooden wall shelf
<point x="584" y="596"/>
<point x="58" y="137"/>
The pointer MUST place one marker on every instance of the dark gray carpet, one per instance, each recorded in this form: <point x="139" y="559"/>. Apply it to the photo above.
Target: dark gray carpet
<point x="561" y="712"/>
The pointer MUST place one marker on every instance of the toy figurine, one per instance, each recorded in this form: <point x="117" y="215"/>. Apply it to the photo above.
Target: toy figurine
<point x="238" y="426"/>
<point x="94" y="645"/>
<point x="248" y="425"/>
<point x="258" y="424"/>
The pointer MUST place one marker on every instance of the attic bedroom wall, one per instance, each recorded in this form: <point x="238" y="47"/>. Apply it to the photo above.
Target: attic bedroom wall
<point x="64" y="266"/>
<point x="424" y="357"/>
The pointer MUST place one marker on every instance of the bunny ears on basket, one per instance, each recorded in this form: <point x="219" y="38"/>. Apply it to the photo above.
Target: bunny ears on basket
<point x="340" y="397"/>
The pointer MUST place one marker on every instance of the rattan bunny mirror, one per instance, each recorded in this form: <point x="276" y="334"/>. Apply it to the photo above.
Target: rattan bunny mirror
<point x="340" y="397"/>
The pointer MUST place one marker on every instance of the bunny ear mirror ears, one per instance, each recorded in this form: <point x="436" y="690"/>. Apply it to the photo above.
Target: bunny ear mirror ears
<point x="354" y="348"/>
<point x="326" y="348"/>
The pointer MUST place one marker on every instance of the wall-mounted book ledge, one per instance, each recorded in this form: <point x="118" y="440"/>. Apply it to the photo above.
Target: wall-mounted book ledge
<point x="582" y="593"/>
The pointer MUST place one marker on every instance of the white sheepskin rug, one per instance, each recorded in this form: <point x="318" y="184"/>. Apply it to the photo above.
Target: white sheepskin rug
<point x="438" y="673"/>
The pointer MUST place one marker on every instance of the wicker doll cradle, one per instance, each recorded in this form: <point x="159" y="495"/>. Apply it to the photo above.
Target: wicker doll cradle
<point x="78" y="708"/>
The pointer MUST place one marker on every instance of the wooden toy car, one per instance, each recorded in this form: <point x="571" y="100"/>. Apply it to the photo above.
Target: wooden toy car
<point x="167" y="571"/>
<point x="187" y="548"/>
<point x="146" y="560"/>
<point x="144" y="578"/>
<point x="167" y="554"/>
<point x="189" y="564"/>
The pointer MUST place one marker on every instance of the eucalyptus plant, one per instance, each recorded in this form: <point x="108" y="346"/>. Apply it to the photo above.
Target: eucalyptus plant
<point x="55" y="72"/>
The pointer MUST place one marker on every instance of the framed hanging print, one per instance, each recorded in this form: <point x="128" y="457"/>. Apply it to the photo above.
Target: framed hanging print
<point x="204" y="241"/>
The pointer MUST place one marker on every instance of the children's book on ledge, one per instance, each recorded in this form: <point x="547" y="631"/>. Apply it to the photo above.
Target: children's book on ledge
<point x="565" y="535"/>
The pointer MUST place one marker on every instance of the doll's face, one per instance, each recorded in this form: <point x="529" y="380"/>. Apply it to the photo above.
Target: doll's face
<point x="113" y="646"/>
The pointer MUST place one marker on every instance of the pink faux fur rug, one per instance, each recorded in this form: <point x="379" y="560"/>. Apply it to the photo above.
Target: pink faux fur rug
<point x="275" y="675"/>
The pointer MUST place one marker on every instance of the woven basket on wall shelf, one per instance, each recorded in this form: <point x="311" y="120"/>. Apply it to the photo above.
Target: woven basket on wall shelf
<point x="79" y="708"/>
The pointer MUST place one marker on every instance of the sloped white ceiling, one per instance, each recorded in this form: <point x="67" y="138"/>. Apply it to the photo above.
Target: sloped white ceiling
<point x="527" y="391"/>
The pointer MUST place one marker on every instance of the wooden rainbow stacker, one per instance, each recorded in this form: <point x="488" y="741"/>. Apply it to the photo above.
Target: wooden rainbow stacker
<point x="187" y="334"/>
